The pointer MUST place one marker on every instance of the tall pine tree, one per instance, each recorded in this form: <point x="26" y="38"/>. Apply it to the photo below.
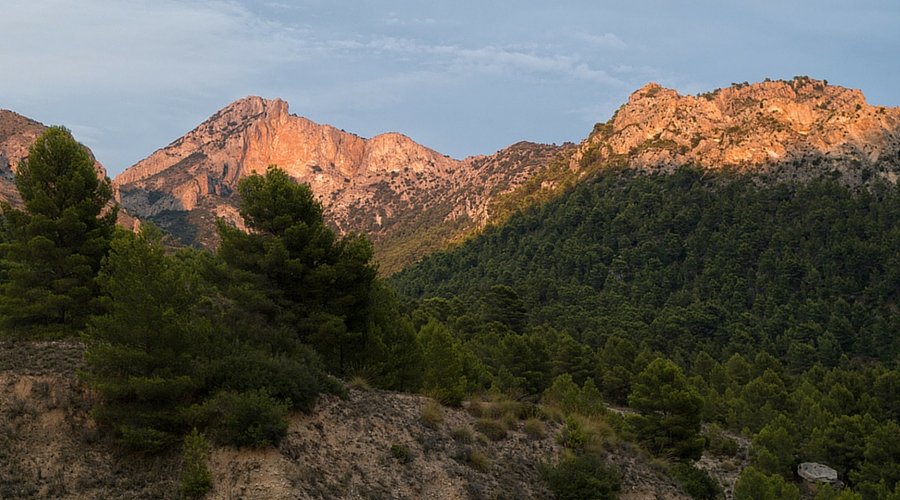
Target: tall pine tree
<point x="55" y="245"/>
<point x="316" y="283"/>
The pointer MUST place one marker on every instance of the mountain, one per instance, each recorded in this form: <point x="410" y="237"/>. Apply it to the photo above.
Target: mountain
<point x="381" y="186"/>
<point x="799" y="129"/>
<point x="17" y="133"/>
<point x="412" y="200"/>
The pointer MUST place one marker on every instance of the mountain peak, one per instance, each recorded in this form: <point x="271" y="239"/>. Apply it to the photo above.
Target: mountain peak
<point x="765" y="126"/>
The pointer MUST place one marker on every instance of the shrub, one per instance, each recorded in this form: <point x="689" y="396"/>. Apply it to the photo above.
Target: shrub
<point x="251" y="418"/>
<point x="478" y="461"/>
<point x="401" y="453"/>
<point x="195" y="477"/>
<point x="535" y="428"/>
<point x="360" y="383"/>
<point x="473" y="458"/>
<point x="493" y="429"/>
<point x="432" y="414"/>
<point x="585" y="434"/>
<point x="720" y="444"/>
<point x="462" y="435"/>
<point x="583" y="477"/>
<point x="695" y="482"/>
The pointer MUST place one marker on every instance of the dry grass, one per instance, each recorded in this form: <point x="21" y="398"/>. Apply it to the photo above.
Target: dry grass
<point x="360" y="383"/>
<point x="495" y="430"/>
<point x="535" y="428"/>
<point x="432" y="414"/>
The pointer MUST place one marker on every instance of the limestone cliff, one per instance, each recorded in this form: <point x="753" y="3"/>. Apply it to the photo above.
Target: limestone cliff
<point x="381" y="186"/>
<point x="793" y="129"/>
<point x="17" y="133"/>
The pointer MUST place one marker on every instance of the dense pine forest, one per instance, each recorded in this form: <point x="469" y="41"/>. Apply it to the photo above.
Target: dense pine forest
<point x="669" y="314"/>
<point x="773" y="306"/>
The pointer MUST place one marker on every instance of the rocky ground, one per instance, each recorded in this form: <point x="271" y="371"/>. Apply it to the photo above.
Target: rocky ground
<point x="372" y="445"/>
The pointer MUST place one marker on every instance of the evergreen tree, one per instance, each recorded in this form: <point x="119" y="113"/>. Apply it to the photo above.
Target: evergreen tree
<point x="56" y="244"/>
<point x="670" y="410"/>
<point x="141" y="355"/>
<point x="443" y="378"/>
<point x="315" y="283"/>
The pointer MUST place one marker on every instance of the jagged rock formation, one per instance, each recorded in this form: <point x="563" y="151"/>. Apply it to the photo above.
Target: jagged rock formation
<point x="411" y="200"/>
<point x="793" y="129"/>
<point x="381" y="186"/>
<point x="17" y="133"/>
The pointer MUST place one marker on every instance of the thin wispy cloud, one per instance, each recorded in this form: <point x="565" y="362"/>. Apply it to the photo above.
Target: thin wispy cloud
<point x="605" y="40"/>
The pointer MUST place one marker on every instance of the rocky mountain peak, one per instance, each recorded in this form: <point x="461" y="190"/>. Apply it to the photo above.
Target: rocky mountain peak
<point x="762" y="126"/>
<point x="364" y="184"/>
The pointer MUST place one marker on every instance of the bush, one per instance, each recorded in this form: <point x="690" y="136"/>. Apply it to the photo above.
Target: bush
<point x="401" y="453"/>
<point x="432" y="414"/>
<point x="462" y="435"/>
<point x="720" y="444"/>
<point x="585" y="434"/>
<point x="695" y="482"/>
<point x="478" y="461"/>
<point x="583" y="477"/>
<point x="493" y="429"/>
<point x="535" y="428"/>
<point x="195" y="477"/>
<point x="473" y="458"/>
<point x="251" y="418"/>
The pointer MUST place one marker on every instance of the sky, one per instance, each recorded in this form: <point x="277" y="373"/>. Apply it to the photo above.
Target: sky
<point x="462" y="77"/>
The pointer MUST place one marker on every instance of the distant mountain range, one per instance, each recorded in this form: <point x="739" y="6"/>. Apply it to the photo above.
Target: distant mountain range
<point x="412" y="200"/>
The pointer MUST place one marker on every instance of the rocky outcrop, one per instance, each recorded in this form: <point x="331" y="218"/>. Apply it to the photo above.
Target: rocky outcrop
<point x="411" y="200"/>
<point x="381" y="186"/>
<point x="795" y="129"/>
<point x="17" y="133"/>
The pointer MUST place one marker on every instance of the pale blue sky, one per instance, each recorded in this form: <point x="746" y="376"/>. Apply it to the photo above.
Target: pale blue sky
<point x="463" y="77"/>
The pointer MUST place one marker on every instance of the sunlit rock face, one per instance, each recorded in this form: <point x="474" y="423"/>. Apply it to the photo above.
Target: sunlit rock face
<point x="795" y="129"/>
<point x="17" y="134"/>
<point x="377" y="185"/>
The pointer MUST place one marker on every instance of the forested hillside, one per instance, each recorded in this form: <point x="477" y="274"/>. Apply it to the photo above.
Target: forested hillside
<point x="778" y="301"/>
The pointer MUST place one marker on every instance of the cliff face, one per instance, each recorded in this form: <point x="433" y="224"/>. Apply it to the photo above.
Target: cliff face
<point x="795" y="129"/>
<point x="17" y="133"/>
<point x="379" y="186"/>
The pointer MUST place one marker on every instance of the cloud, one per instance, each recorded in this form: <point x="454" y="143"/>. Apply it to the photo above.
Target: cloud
<point x="142" y="45"/>
<point x="395" y="20"/>
<point x="487" y="59"/>
<point x="605" y="40"/>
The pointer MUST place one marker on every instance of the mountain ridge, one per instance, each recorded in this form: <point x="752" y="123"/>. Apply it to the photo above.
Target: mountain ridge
<point x="365" y="185"/>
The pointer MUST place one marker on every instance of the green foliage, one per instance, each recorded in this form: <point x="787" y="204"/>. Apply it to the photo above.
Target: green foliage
<point x="196" y="479"/>
<point x="755" y="485"/>
<point x="720" y="444"/>
<point x="495" y="430"/>
<point x="307" y="279"/>
<point x="140" y="354"/>
<point x="740" y="281"/>
<point x="401" y="453"/>
<point x="773" y="450"/>
<point x="443" y="378"/>
<point x="53" y="248"/>
<point x="252" y="418"/>
<point x="583" y="477"/>
<point x="696" y="482"/>
<point x="670" y="411"/>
